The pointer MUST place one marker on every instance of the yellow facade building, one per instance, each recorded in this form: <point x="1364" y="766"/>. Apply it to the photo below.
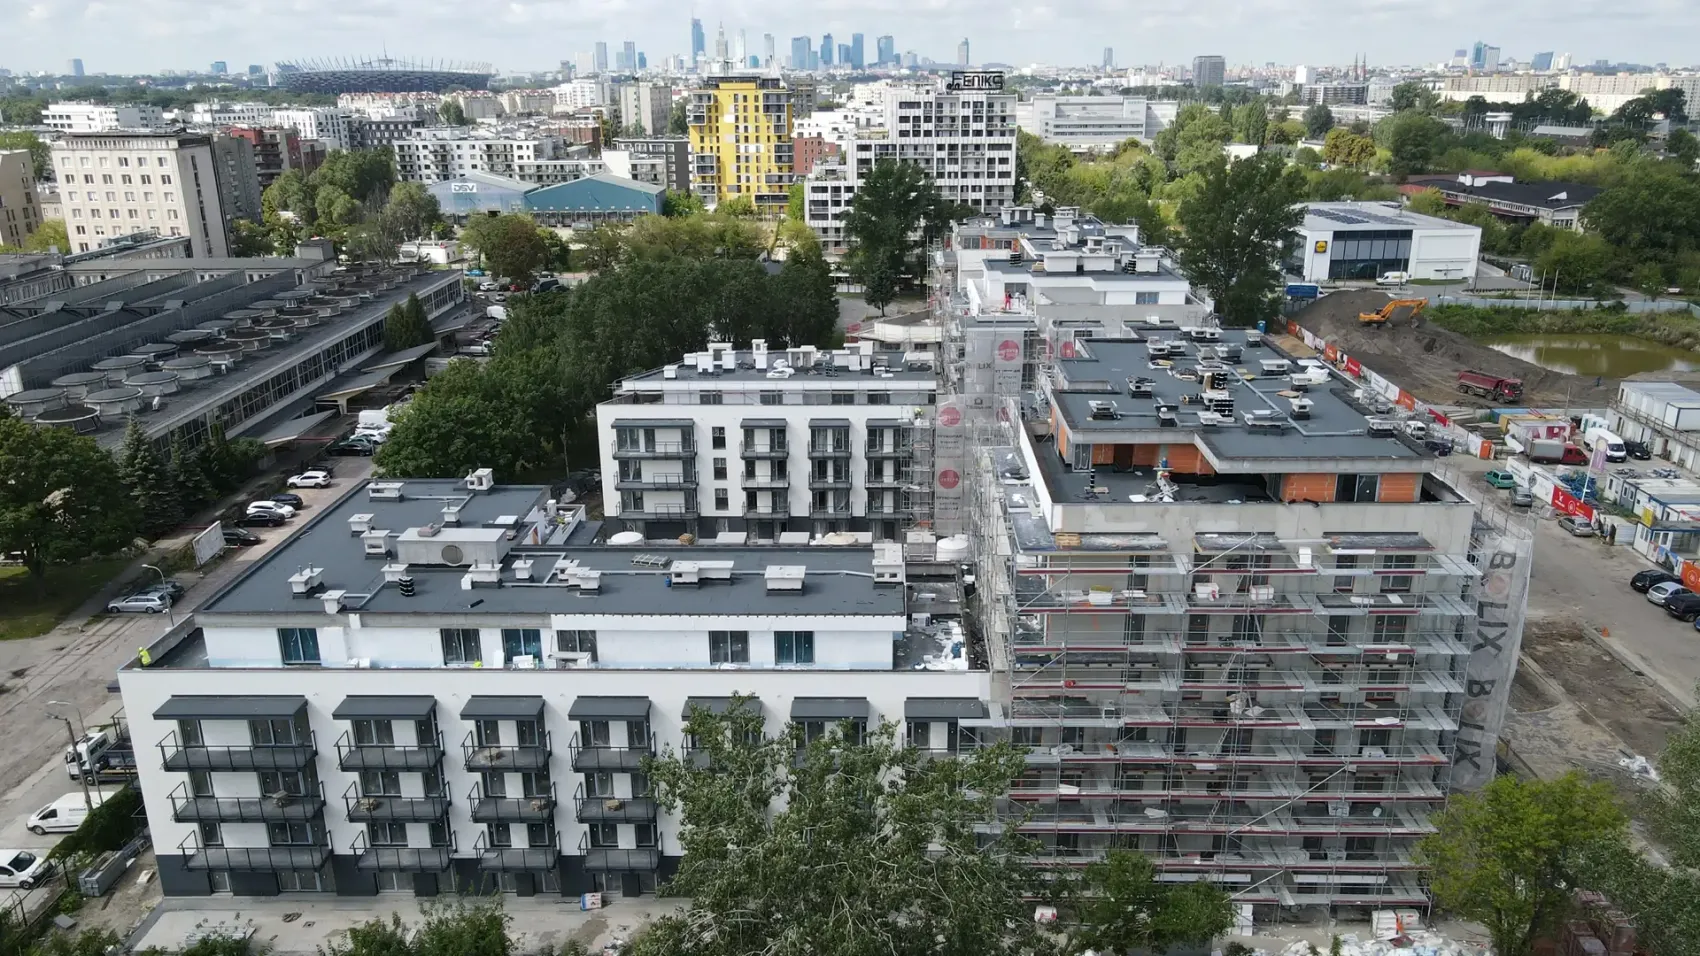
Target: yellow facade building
<point x="741" y="140"/>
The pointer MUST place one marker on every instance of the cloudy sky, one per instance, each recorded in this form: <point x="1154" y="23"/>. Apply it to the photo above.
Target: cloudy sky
<point x="150" y="35"/>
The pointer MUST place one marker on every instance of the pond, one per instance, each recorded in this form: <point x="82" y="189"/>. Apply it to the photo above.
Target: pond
<point x="1611" y="356"/>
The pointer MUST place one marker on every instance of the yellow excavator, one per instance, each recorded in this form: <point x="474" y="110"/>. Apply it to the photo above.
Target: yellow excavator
<point x="1404" y="310"/>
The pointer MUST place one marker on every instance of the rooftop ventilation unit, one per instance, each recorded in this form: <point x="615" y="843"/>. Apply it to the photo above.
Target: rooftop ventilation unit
<point x="481" y="479"/>
<point x="1166" y="417"/>
<point x="305" y="580"/>
<point x="670" y="371"/>
<point x="1212" y="419"/>
<point x="1141" y="387"/>
<point x="376" y="543"/>
<point x="1103" y="410"/>
<point x="784" y="577"/>
<point x="1383" y="426"/>
<point x="1218" y="401"/>
<point x="1015" y="256"/>
<point x="1202" y="334"/>
<point x="522" y="569"/>
<point x="384" y="491"/>
<point x="683" y="573"/>
<point x="359" y="524"/>
<point x="1265" y="421"/>
<point x="587" y="580"/>
<point x="1228" y="352"/>
<point x="656" y="561"/>
<point x="1301" y="407"/>
<point x="451" y="515"/>
<point x="1274" y="366"/>
<point x="428" y="531"/>
<point x="394" y="572"/>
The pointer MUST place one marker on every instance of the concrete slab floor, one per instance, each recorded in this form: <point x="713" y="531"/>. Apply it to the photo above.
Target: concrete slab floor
<point x="304" y="924"/>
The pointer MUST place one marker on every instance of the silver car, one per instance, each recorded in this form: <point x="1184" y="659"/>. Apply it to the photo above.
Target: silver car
<point x="143" y="603"/>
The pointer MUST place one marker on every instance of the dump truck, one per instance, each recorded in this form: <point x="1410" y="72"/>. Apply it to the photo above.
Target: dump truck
<point x="1401" y="310"/>
<point x="1490" y="386"/>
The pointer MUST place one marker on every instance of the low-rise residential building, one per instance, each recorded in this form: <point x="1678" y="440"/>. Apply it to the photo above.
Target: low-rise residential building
<point x="1558" y="205"/>
<point x="20" y="210"/>
<point x="329" y="125"/>
<point x="1094" y="122"/>
<point x="597" y="198"/>
<point x="101" y="118"/>
<point x="115" y="184"/>
<point x="806" y="151"/>
<point x="1333" y="94"/>
<point x="582" y="93"/>
<point x="1366" y="240"/>
<point x="549" y="172"/>
<point x="438" y="153"/>
<point x="658" y="160"/>
<point x="527" y="102"/>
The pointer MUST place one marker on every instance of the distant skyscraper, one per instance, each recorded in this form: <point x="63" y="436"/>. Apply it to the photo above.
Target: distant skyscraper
<point x="843" y="58"/>
<point x="1561" y="62"/>
<point x="601" y="56"/>
<point x="1208" y="71"/>
<point x="962" y="58"/>
<point x="887" y="48"/>
<point x="1484" y="56"/>
<point x="699" y="40"/>
<point x="857" y="51"/>
<point x="220" y="67"/>
<point x="767" y="49"/>
<point x="630" y="54"/>
<point x="720" y="49"/>
<point x="1109" y="58"/>
<point x="742" y="49"/>
<point x="74" y="68"/>
<point x="1541" y="61"/>
<point x="826" y="50"/>
<point x="800" y="49"/>
<point x="642" y="62"/>
<point x="255" y="69"/>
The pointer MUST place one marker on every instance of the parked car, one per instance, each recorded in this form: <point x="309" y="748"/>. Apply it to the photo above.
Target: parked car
<point x="1500" y="479"/>
<point x="139" y="604"/>
<point x="1522" y="498"/>
<point x="1646" y="579"/>
<point x="260" y="519"/>
<point x="487" y="286"/>
<point x="1440" y="446"/>
<point x="271" y="507"/>
<point x="347" y="448"/>
<point x="310" y="479"/>
<point x="237" y="538"/>
<point x="1684" y="606"/>
<point x="292" y="500"/>
<point x="1580" y="527"/>
<point x="23" y="869"/>
<point x="170" y="586"/>
<point x="1660" y="593"/>
<point x="1638" y="450"/>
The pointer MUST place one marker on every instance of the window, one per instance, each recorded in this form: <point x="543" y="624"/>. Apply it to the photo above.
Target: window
<point x="387" y="834"/>
<point x="709" y="398"/>
<point x="300" y="645"/>
<point x="164" y="180"/>
<point x="604" y="834"/>
<point x="432" y="781"/>
<point x="721" y="502"/>
<point x="1145" y="298"/>
<point x="772" y="398"/>
<point x="717" y="436"/>
<point x="576" y="642"/>
<point x="521" y="642"/>
<point x="460" y="646"/>
<point x="719" y="469"/>
<point x="276" y="733"/>
<point x="1399" y="583"/>
<point x="147" y="181"/>
<point x="879" y="398"/>
<point x="211" y="835"/>
<point x="728" y="647"/>
<point x="374" y="733"/>
<point x="793" y="647"/>
<point x="535" y="784"/>
<point x="645" y="833"/>
<point x="1344" y="583"/>
<point x="380" y="783"/>
<point x="291" y="833"/>
<point x="843" y="398"/>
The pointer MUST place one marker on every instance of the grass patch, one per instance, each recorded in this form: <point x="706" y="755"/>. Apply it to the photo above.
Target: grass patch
<point x="25" y="612"/>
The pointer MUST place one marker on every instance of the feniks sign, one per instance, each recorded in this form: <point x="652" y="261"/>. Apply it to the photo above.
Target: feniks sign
<point x="964" y="81"/>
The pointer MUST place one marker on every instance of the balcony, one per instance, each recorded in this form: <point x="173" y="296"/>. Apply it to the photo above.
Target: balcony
<point x="898" y="480"/>
<point x="188" y="808"/>
<point x="657" y="449"/>
<point x="829" y="481"/>
<point x="593" y="757"/>
<point x="495" y="758"/>
<point x="181" y="758"/>
<point x="820" y="450"/>
<point x="656" y="483"/>
<point x="516" y="858"/>
<point x="352" y="757"/>
<point x="252" y="859"/>
<point x="433" y="859"/>
<point x="889" y="450"/>
<point x="839" y="512"/>
<point x="752" y="483"/>
<point x="599" y="859"/>
<point x="660" y="511"/>
<point x="767" y="450"/>
<point x="612" y="809"/>
<point x="361" y="808"/>
<point x="489" y="809"/>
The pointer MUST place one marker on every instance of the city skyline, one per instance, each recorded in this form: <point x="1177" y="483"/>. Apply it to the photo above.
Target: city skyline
<point x="527" y="37"/>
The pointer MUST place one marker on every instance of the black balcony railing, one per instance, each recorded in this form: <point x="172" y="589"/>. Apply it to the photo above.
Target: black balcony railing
<point x="612" y="809"/>
<point x="365" y="808"/>
<point x="756" y="449"/>
<point x="188" y="808"/>
<point x="655" y="482"/>
<point x="658" y="449"/>
<point x="889" y="450"/>
<point x="517" y="858"/>
<point x="593" y="757"/>
<point x="181" y="758"/>
<point x="539" y="808"/>
<point x="498" y="758"/>
<point x="432" y="859"/>
<point x="829" y="450"/>
<point x="352" y="756"/>
<point x="829" y="481"/>
<point x="601" y="859"/>
<point x="252" y="859"/>
<point x="779" y="509"/>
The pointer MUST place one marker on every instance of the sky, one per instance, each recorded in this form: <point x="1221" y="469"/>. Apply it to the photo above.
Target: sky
<point x="517" y="35"/>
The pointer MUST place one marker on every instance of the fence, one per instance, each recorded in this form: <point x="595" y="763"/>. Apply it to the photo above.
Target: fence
<point x="26" y="914"/>
<point x="1557" y="305"/>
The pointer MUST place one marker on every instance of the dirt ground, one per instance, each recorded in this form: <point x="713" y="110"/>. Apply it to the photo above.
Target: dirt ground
<point x="1425" y="360"/>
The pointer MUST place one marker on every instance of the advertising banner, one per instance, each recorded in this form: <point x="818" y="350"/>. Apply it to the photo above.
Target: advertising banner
<point x="209" y="544"/>
<point x="1503" y="554"/>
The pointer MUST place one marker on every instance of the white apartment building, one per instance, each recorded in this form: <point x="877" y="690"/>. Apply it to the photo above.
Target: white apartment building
<point x="1605" y="93"/>
<point x="383" y="105"/>
<point x="97" y="118"/>
<point x="1094" y="122"/>
<point x="20" y="208"/>
<point x="116" y="184"/>
<point x="548" y="172"/>
<point x="447" y="686"/>
<point x="515" y="102"/>
<point x="437" y="153"/>
<point x="584" y="92"/>
<point x="770" y="442"/>
<point x="328" y="125"/>
<point x="216" y="113"/>
<point x="645" y="104"/>
<point x="964" y="140"/>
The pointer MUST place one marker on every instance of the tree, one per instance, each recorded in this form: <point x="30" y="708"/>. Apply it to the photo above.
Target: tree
<point x="509" y="244"/>
<point x="1412" y="95"/>
<point x="249" y="239"/>
<point x="1306" y="157"/>
<point x="794" y="203"/>
<point x="1683" y="147"/>
<point x="738" y="207"/>
<point x="1507" y="857"/>
<point x="1319" y="119"/>
<point x="677" y="203"/>
<point x="48" y="236"/>
<point x="1348" y="149"/>
<point x="1578" y="263"/>
<point x="1649" y="280"/>
<point x="184" y="471"/>
<point x="1235" y="232"/>
<point x="41" y="155"/>
<point x="57" y="504"/>
<point x="1251" y="123"/>
<point x="452" y="114"/>
<point x="457" y="929"/>
<point x="1122" y="906"/>
<point x="1410" y="137"/>
<point x="413" y="210"/>
<point x="603" y="247"/>
<point x="885" y="226"/>
<point x="406" y="326"/>
<point x="143" y="475"/>
<point x="678" y="123"/>
<point x="560" y="254"/>
<point x="1653" y="211"/>
<point x="795" y="847"/>
<point x="1428" y="202"/>
<point x="473" y="415"/>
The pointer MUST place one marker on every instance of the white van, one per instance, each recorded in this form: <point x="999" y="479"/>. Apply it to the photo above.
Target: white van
<point x="23" y="869"/>
<point x="64" y="814"/>
<point x="1394" y="278"/>
<point x="1615" y="450"/>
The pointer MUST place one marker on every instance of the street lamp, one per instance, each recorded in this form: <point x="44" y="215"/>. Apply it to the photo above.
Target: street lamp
<point x="169" y="598"/>
<point x="82" y="770"/>
<point x="82" y="725"/>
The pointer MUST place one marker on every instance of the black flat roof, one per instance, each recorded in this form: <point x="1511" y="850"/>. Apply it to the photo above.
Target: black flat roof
<point x="390" y="708"/>
<point x="829" y="708"/>
<point x="502" y="708"/>
<point x="944" y="708"/>
<point x="218" y="707"/>
<point x="614" y="708"/>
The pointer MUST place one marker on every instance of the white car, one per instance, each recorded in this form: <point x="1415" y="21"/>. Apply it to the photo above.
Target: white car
<point x="270" y="507"/>
<point x="23" y="869"/>
<point x="375" y="435"/>
<point x="310" y="479"/>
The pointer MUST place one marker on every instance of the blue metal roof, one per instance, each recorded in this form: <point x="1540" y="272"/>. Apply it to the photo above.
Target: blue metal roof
<point x="603" y="192"/>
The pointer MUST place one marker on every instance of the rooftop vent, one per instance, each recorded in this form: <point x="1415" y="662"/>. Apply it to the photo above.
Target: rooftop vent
<point x="1265" y="421"/>
<point x="1201" y="334"/>
<point x="451" y="514"/>
<point x="481" y="572"/>
<point x="1103" y="409"/>
<point x="1301" y="407"/>
<point x="1382" y="426"/>
<point x="394" y="573"/>
<point x="359" y="524"/>
<point x="657" y="561"/>
<point x="1166" y="417"/>
<point x="384" y="491"/>
<point x="1213" y="419"/>
<point x="1275" y="366"/>
<point x="333" y="601"/>
<point x="1229" y="353"/>
<point x="670" y="371"/>
<point x="376" y="543"/>
<point x="683" y="573"/>
<point x="305" y="580"/>
<point x="784" y="577"/>
<point x="429" y="531"/>
<point x="587" y="580"/>
<point x="1218" y="400"/>
<point x="481" y="479"/>
<point x="1140" y="387"/>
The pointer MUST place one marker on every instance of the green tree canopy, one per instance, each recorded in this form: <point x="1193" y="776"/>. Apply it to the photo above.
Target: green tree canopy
<point x="1121" y="905"/>
<point x="886" y="224"/>
<point x="406" y="326"/>
<point x="1652" y="211"/>
<point x="1412" y="95"/>
<point x="143" y="473"/>
<point x="1319" y="119"/>
<point x="509" y="244"/>
<point x="59" y="502"/>
<point x="1411" y="138"/>
<point x="249" y="239"/>
<point x="1348" y="149"/>
<point x="41" y="155"/>
<point x="1236" y="231"/>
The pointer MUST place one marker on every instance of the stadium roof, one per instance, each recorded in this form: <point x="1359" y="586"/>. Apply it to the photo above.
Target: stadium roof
<point x="381" y="75"/>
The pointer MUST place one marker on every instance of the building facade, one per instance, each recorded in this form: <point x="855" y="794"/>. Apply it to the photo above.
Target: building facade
<point x="1366" y="240"/>
<point x="98" y="118"/>
<point x="117" y="184"/>
<point x="238" y="178"/>
<point x="663" y="161"/>
<point x="765" y="443"/>
<point x="1094" y="122"/>
<point x="645" y="104"/>
<point x="442" y="751"/>
<point x="216" y="113"/>
<point x="1209" y="71"/>
<point x="276" y="149"/>
<point x="1333" y="94"/>
<point x="740" y="128"/>
<point x="20" y="211"/>
<point x="375" y="132"/>
<point x="437" y="153"/>
<point x="597" y="198"/>
<point x="329" y="125"/>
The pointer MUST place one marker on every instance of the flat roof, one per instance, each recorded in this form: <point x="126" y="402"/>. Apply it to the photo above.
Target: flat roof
<point x="838" y="579"/>
<point x="830" y="370"/>
<point x="1368" y="216"/>
<point x="1025" y="267"/>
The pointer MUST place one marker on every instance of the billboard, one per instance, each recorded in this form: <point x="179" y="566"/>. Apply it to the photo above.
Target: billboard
<point x="1503" y="555"/>
<point x="209" y="544"/>
<point x="965" y="81"/>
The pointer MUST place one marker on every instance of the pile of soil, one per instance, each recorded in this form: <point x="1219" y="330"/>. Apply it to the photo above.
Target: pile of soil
<point x="1425" y="359"/>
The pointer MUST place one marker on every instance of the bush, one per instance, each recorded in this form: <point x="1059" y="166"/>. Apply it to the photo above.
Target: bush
<point x="112" y="824"/>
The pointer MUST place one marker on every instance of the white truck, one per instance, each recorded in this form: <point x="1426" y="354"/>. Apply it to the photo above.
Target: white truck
<point x="64" y="814"/>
